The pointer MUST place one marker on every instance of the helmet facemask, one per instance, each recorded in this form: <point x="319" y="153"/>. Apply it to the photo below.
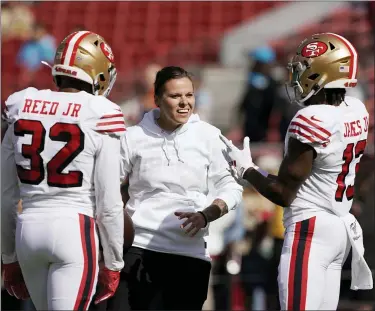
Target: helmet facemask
<point x="99" y="79"/>
<point x="296" y="70"/>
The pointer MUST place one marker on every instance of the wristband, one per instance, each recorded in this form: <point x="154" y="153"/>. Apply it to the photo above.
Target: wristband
<point x="263" y="172"/>
<point x="205" y="218"/>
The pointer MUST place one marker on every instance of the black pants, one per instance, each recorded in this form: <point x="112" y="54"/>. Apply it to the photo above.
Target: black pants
<point x="158" y="281"/>
<point x="9" y="302"/>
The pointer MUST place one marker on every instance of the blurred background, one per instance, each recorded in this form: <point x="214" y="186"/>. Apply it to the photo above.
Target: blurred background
<point x="238" y="53"/>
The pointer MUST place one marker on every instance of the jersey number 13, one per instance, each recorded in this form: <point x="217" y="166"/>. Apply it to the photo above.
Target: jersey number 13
<point x="351" y="151"/>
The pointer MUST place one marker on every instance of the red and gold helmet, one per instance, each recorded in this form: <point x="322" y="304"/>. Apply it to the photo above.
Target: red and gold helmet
<point x="85" y="56"/>
<point x="325" y="60"/>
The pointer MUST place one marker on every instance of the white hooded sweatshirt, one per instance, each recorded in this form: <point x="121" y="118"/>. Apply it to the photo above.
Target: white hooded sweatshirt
<point x="171" y="172"/>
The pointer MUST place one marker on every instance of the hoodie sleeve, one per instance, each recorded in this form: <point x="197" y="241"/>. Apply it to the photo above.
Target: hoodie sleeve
<point x="226" y="187"/>
<point x="126" y="165"/>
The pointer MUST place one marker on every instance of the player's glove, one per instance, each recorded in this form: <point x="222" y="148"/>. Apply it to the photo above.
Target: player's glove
<point x="240" y="159"/>
<point x="239" y="180"/>
<point x="108" y="283"/>
<point x="14" y="282"/>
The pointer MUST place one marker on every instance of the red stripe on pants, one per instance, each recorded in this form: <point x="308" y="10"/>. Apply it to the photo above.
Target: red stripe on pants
<point x="87" y="230"/>
<point x="305" y="265"/>
<point x="299" y="264"/>
<point x="292" y="266"/>
<point x="93" y="247"/>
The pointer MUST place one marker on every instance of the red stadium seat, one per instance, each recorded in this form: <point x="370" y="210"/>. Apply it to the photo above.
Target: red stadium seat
<point x="145" y="31"/>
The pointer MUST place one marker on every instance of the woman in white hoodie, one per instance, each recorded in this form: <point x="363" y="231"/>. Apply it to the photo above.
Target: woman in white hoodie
<point x="171" y="158"/>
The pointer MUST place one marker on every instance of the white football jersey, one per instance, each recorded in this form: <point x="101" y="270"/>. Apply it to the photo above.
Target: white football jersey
<point x="66" y="149"/>
<point x="339" y="135"/>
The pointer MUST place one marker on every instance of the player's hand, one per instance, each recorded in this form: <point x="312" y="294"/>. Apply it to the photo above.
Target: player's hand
<point x="240" y="159"/>
<point x="196" y="220"/>
<point x="108" y="283"/>
<point x="238" y="179"/>
<point x="14" y="282"/>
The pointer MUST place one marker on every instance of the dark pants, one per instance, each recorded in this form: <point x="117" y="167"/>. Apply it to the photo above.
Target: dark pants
<point x="159" y="281"/>
<point x="9" y="302"/>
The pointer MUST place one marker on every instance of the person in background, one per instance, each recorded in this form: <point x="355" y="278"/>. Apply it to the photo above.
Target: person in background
<point x="133" y="108"/>
<point x="275" y="231"/>
<point x="222" y="243"/>
<point x="203" y="97"/>
<point x="256" y="249"/>
<point x="17" y="20"/>
<point x="256" y="113"/>
<point x="143" y="98"/>
<point x="40" y="47"/>
<point x="148" y="79"/>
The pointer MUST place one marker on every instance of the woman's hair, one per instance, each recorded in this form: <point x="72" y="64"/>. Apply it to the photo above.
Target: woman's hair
<point x="166" y="74"/>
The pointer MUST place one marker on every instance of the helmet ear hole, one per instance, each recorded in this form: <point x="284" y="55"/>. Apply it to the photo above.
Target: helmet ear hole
<point x="331" y="46"/>
<point x="102" y="77"/>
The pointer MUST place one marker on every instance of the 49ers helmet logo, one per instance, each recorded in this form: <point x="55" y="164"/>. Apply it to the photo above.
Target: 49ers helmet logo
<point x="107" y="51"/>
<point x="314" y="49"/>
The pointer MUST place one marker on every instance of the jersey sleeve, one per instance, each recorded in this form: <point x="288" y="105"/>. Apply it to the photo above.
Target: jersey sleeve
<point x="111" y="122"/>
<point x="105" y="117"/>
<point x="109" y="206"/>
<point x="10" y="196"/>
<point x="311" y="128"/>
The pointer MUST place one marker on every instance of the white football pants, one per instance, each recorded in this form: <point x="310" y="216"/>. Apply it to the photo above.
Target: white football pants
<point x="313" y="254"/>
<point x="58" y="255"/>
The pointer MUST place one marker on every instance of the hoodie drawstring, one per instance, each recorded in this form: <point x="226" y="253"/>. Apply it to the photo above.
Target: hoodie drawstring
<point x="175" y="144"/>
<point x="165" y="149"/>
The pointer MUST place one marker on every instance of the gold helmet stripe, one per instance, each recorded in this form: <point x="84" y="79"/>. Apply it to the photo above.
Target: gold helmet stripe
<point x="71" y="47"/>
<point x="353" y="55"/>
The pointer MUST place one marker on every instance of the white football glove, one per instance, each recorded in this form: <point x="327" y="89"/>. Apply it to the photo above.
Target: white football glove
<point x="241" y="159"/>
<point x="243" y="182"/>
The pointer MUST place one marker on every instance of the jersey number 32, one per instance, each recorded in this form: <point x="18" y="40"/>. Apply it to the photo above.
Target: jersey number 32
<point x="74" y="138"/>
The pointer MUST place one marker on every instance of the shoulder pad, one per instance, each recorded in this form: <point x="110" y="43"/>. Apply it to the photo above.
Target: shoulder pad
<point x="311" y="127"/>
<point x="9" y="108"/>
<point x="110" y="120"/>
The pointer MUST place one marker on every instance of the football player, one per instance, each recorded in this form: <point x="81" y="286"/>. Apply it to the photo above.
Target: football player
<point x="61" y="156"/>
<point x="315" y="183"/>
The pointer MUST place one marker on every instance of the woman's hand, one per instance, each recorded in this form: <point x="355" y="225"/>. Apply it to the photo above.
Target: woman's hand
<point x="196" y="220"/>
